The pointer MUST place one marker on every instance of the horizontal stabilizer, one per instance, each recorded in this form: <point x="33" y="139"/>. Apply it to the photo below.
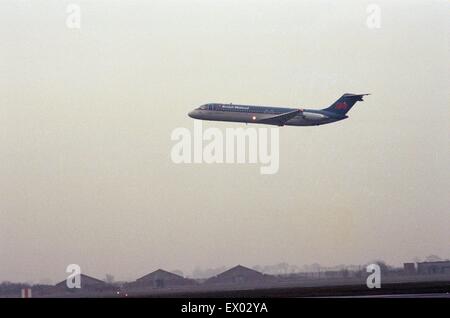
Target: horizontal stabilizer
<point x="358" y="97"/>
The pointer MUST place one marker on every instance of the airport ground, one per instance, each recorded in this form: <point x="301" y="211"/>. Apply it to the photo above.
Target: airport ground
<point x="403" y="290"/>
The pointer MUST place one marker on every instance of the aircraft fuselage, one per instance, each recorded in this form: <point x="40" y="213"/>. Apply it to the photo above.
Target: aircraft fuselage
<point x="263" y="114"/>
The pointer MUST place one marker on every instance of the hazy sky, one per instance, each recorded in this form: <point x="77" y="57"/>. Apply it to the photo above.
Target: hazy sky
<point x="86" y="116"/>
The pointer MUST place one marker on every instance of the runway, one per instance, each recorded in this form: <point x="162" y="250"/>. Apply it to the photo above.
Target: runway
<point x="430" y="295"/>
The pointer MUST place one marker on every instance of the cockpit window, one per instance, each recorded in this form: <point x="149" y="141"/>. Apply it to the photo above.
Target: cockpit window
<point x="204" y="107"/>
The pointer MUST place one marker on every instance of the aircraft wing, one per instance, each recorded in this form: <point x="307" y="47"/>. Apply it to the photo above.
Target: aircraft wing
<point x="279" y="120"/>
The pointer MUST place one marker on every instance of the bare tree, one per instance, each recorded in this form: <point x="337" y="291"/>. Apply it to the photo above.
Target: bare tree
<point x="109" y="278"/>
<point x="433" y="258"/>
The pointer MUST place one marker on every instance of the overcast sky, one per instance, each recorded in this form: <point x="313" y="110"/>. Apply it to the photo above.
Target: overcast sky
<point x="86" y="117"/>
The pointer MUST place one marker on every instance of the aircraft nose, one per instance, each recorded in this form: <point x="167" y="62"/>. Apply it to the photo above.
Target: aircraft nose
<point x="193" y="113"/>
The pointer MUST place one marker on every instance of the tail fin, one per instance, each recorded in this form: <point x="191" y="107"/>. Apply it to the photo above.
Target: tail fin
<point x="345" y="103"/>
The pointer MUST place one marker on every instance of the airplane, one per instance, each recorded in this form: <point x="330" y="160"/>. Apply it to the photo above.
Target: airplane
<point x="279" y="116"/>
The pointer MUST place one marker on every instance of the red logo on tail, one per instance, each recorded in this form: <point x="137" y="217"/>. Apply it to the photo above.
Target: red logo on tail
<point x="342" y="105"/>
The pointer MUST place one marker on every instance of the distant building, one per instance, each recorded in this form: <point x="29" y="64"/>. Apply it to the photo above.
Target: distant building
<point x="239" y="275"/>
<point x="161" y="279"/>
<point x="441" y="267"/>
<point x="88" y="284"/>
<point x="409" y="268"/>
